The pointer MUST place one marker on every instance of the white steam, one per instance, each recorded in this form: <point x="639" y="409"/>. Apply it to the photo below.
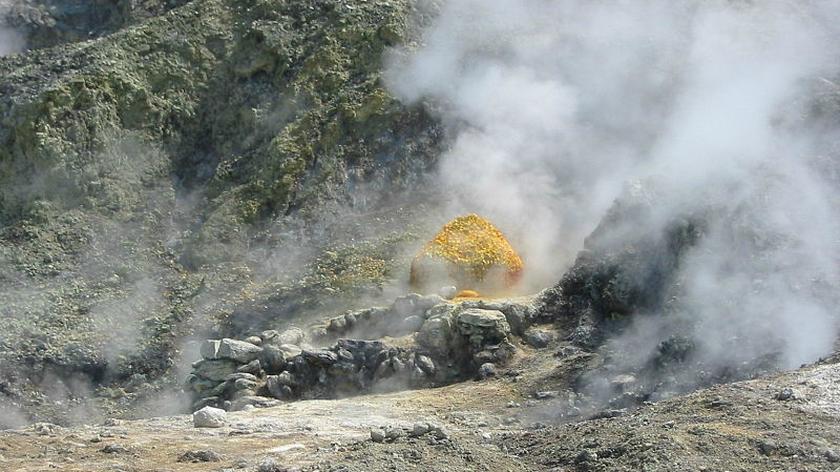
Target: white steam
<point x="555" y="106"/>
<point x="11" y="41"/>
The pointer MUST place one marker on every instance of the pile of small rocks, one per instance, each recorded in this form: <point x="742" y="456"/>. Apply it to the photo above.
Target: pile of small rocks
<point x="448" y="342"/>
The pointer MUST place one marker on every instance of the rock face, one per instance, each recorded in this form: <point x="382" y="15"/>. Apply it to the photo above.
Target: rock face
<point x="610" y="280"/>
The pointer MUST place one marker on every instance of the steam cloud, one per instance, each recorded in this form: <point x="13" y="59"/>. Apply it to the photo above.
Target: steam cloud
<point x="11" y="41"/>
<point x="556" y="106"/>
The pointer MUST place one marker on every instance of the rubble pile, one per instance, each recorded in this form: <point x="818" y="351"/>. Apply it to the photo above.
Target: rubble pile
<point x="427" y="341"/>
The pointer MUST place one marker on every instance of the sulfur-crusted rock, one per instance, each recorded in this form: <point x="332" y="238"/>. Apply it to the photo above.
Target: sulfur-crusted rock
<point x="470" y="253"/>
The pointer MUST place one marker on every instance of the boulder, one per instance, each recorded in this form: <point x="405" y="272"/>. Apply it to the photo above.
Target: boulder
<point x="518" y="315"/>
<point x="482" y="327"/>
<point x="239" y="351"/>
<point x="291" y="335"/>
<point x="537" y="338"/>
<point x="425" y="363"/>
<point x="216" y="370"/>
<point x="320" y="357"/>
<point x="209" y="417"/>
<point x="254" y="367"/>
<point x="273" y="359"/>
<point x="280" y="386"/>
<point x="436" y="335"/>
<point x="487" y="370"/>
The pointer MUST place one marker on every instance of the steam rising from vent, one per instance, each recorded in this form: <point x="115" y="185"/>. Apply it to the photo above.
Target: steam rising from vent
<point x="721" y="105"/>
<point x="10" y="40"/>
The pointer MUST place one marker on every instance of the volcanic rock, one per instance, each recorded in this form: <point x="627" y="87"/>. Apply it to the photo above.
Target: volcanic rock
<point x="209" y="417"/>
<point x="239" y="351"/>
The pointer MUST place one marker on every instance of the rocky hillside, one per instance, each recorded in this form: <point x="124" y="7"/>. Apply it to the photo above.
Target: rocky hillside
<point x="182" y="175"/>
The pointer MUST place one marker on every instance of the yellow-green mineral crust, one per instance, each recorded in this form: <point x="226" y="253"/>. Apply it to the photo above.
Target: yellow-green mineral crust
<point x="472" y="254"/>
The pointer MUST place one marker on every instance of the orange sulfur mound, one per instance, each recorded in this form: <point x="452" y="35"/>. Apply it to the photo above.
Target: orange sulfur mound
<point x="470" y="253"/>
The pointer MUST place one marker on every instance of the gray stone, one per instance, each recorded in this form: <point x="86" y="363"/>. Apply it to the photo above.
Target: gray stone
<point x="269" y="464"/>
<point x="254" y="367"/>
<point x="482" y="326"/>
<point x="393" y="433"/>
<point x="210" y="349"/>
<point x="586" y="456"/>
<point x="216" y="370"/>
<point x="377" y="435"/>
<point x="623" y="382"/>
<point x="241" y="375"/>
<point x="114" y="449"/>
<point x="487" y="370"/>
<point x="320" y="357"/>
<point x="255" y="340"/>
<point x="291" y="350"/>
<point x="337" y="325"/>
<point x="425" y="363"/>
<point x="200" y="455"/>
<point x="200" y="385"/>
<point x="518" y="316"/>
<point x="269" y="336"/>
<point x="787" y="394"/>
<point x="206" y="401"/>
<point x="437" y="332"/>
<point x="209" y="417"/>
<point x="273" y="359"/>
<point x="419" y="429"/>
<point x="439" y="433"/>
<point x="280" y="386"/>
<point x="241" y="393"/>
<point x="415" y="304"/>
<point x="292" y="335"/>
<point x="240" y="403"/>
<point x="537" y="338"/>
<point x="244" y="384"/>
<point x="238" y="351"/>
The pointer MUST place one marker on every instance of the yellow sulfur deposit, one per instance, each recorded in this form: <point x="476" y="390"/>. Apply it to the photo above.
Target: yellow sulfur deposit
<point x="469" y="252"/>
